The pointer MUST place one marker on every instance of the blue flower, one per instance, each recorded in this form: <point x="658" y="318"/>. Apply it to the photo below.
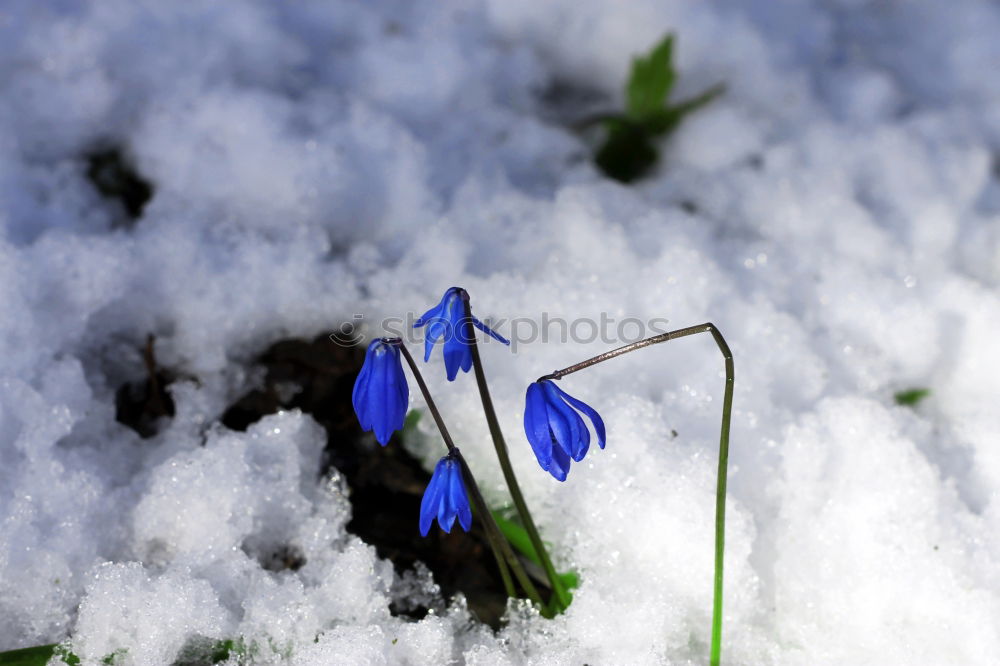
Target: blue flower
<point x="555" y="430"/>
<point x="447" y="320"/>
<point x="445" y="497"/>
<point x="381" y="395"/>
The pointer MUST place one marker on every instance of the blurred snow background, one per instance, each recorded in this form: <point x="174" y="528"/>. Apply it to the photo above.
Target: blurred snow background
<point x="836" y="213"/>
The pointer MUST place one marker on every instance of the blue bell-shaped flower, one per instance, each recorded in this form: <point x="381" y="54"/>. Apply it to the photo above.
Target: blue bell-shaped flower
<point x="446" y="320"/>
<point x="445" y="497"/>
<point x="381" y="394"/>
<point x="555" y="429"/>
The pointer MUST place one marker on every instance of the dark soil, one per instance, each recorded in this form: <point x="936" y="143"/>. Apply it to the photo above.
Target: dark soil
<point x="386" y="483"/>
<point x="141" y="404"/>
<point x="115" y="177"/>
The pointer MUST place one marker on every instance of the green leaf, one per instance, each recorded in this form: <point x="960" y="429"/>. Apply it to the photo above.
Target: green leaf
<point x="214" y="653"/>
<point x="666" y="120"/>
<point x="519" y="539"/>
<point x="115" y="657"/>
<point x="629" y="151"/>
<point x="37" y="656"/>
<point x="33" y="656"/>
<point x="911" y="397"/>
<point x="209" y="651"/>
<point x="650" y="81"/>
<point x="570" y="579"/>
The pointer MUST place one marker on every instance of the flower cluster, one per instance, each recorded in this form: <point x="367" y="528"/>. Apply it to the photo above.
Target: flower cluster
<point x="552" y="421"/>
<point x="381" y="397"/>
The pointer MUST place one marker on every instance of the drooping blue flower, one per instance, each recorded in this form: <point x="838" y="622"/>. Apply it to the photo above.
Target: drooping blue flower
<point x="445" y="497"/>
<point x="555" y="430"/>
<point x="447" y="320"/>
<point x="381" y="394"/>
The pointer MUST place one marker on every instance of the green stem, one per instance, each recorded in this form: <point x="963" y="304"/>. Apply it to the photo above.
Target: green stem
<point x="502" y="542"/>
<point x="508" y="471"/>
<point x="720" y="486"/>
<point x="720" y="499"/>
<point x="502" y="551"/>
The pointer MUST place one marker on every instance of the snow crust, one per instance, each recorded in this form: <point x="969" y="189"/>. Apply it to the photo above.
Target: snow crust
<point x="836" y="214"/>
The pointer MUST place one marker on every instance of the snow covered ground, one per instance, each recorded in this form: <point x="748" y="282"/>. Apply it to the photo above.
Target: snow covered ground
<point x="836" y="213"/>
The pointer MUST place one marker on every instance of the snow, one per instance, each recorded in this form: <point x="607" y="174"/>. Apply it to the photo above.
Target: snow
<point x="835" y="214"/>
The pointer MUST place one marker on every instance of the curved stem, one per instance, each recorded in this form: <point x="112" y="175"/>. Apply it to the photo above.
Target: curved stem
<point x="431" y="405"/>
<point x="508" y="470"/>
<point x="502" y="551"/>
<point x="720" y="498"/>
<point x="720" y="486"/>
<point x="607" y="356"/>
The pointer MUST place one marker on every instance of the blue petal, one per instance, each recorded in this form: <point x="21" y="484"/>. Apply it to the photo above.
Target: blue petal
<point x="578" y="429"/>
<point x="567" y="427"/>
<point x="436" y="328"/>
<point x="452" y="361"/>
<point x="591" y="413"/>
<point x="397" y="393"/>
<point x="457" y="356"/>
<point x="386" y="398"/>
<point x="459" y="498"/>
<point x="403" y="397"/>
<point x="432" y="496"/>
<point x="434" y="313"/>
<point x="559" y="430"/>
<point x="560" y="464"/>
<point x="359" y="397"/>
<point x="399" y="398"/>
<point x="489" y="331"/>
<point x="447" y="508"/>
<point x="375" y="397"/>
<point x="436" y="321"/>
<point x="536" y="424"/>
<point x="465" y="515"/>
